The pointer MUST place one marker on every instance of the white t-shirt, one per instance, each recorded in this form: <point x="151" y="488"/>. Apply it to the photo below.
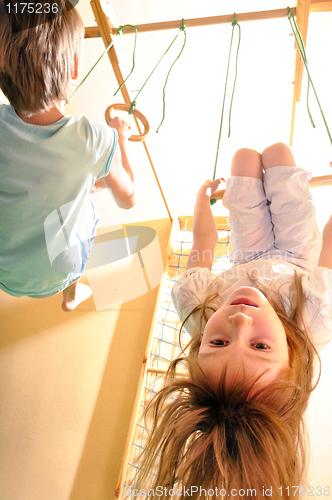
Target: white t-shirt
<point x="46" y="176"/>
<point x="196" y="284"/>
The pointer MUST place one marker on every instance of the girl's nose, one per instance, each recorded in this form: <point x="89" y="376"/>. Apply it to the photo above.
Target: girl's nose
<point x="241" y="319"/>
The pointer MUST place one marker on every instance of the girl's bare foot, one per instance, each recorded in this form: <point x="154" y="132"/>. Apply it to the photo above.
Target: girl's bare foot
<point x="74" y="295"/>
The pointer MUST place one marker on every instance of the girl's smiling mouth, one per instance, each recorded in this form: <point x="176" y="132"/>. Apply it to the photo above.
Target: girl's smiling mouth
<point x="244" y="301"/>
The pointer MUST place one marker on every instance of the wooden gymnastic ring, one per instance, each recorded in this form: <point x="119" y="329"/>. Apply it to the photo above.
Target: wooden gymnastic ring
<point x="138" y="114"/>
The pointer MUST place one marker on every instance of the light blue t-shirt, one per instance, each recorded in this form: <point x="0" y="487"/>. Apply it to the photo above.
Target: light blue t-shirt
<point x="46" y="217"/>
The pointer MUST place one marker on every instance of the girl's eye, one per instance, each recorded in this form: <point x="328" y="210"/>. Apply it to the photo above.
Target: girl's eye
<point x="219" y="342"/>
<point x="261" y="346"/>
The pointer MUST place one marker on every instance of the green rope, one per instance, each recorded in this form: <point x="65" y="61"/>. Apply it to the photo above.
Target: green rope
<point x="234" y="23"/>
<point x="133" y="104"/>
<point x="134" y="52"/>
<point x="183" y="29"/>
<point x="93" y="67"/>
<point x="301" y="48"/>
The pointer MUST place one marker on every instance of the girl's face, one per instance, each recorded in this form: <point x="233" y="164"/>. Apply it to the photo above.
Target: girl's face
<point x="245" y="332"/>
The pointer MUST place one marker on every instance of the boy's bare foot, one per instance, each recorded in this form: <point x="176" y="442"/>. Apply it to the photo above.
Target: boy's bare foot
<point x="74" y="295"/>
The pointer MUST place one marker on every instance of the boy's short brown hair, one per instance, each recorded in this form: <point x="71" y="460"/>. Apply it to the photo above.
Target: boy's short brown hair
<point x="36" y="64"/>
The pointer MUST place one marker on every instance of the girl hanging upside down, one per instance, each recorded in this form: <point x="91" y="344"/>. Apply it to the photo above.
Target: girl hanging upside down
<point x="233" y="421"/>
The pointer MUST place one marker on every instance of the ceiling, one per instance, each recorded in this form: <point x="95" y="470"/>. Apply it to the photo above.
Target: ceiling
<point x="184" y="150"/>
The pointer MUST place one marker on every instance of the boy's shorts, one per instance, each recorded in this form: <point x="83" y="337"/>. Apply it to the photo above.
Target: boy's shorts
<point x="74" y="259"/>
<point x="274" y="218"/>
<point x="86" y="233"/>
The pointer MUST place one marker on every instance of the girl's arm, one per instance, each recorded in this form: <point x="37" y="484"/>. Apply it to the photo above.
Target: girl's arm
<point x="204" y="228"/>
<point x="325" y="258"/>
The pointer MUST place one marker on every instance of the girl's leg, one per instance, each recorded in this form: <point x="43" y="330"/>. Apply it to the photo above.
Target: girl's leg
<point x="297" y="238"/>
<point x="247" y="163"/>
<point x="250" y="219"/>
<point x="74" y="295"/>
<point x="277" y="155"/>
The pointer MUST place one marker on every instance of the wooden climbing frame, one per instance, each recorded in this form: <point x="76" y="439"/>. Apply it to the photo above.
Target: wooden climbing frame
<point x="107" y="31"/>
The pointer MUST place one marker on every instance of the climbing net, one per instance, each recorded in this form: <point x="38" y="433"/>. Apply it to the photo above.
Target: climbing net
<point x="165" y="341"/>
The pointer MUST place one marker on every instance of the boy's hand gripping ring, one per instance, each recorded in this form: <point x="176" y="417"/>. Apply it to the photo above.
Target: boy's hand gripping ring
<point x="138" y="114"/>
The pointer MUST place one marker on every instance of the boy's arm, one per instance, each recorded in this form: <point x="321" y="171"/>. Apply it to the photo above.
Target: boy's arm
<point x="120" y="178"/>
<point x="204" y="228"/>
<point x="325" y="258"/>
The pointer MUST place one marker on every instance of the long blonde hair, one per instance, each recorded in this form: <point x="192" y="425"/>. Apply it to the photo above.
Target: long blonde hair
<point x="212" y="442"/>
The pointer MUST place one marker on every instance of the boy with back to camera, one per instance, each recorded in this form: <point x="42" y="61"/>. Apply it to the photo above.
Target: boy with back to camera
<point x="51" y="164"/>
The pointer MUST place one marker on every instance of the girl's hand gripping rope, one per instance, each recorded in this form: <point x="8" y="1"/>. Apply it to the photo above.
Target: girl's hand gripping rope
<point x="210" y="188"/>
<point x="205" y="235"/>
<point x="217" y="194"/>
